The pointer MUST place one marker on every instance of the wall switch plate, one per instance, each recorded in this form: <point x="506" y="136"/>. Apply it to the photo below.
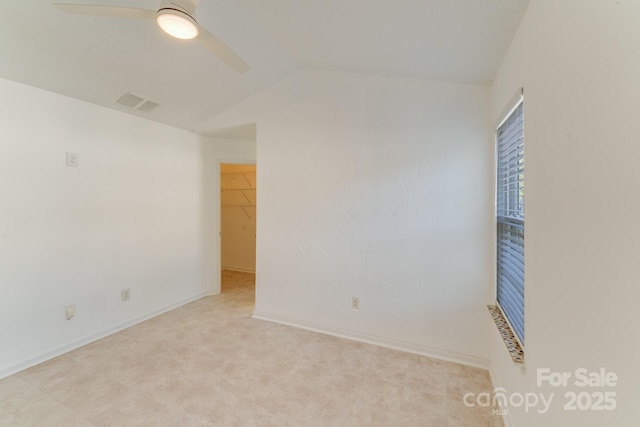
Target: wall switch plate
<point x="125" y="294"/>
<point x="355" y="303"/>
<point x="70" y="311"/>
<point x="72" y="160"/>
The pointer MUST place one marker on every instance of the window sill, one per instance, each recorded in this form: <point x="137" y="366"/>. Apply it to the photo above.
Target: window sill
<point x="516" y="352"/>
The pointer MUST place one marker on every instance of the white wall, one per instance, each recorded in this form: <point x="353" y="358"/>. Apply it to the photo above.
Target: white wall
<point x="216" y="151"/>
<point x="579" y="62"/>
<point x="377" y="188"/>
<point x="130" y="216"/>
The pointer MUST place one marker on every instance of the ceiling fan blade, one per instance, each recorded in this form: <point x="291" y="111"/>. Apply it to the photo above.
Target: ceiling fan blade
<point x="222" y="51"/>
<point x="97" y="10"/>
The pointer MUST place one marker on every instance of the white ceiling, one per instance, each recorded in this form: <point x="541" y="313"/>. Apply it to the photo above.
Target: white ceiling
<point x="98" y="59"/>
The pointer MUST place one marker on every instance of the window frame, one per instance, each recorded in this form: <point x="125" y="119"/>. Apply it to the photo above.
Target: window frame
<point x="517" y="221"/>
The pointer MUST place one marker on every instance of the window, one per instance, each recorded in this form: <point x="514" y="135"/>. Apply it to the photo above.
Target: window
<point x="510" y="219"/>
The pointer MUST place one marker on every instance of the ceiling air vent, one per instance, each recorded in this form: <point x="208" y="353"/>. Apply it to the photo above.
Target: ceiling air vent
<point x="147" y="106"/>
<point x="135" y="101"/>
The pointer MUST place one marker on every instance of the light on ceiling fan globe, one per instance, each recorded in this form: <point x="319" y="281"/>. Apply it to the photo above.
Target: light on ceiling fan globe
<point x="177" y="24"/>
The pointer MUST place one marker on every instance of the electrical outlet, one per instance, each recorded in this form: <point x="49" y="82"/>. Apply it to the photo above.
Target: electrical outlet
<point x="125" y="294"/>
<point x="70" y="311"/>
<point x="72" y="160"/>
<point x="355" y="303"/>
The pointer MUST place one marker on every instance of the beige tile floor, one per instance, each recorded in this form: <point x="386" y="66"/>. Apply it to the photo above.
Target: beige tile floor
<point x="209" y="364"/>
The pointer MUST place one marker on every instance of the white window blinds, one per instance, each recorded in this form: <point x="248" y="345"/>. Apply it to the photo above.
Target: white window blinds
<point x="510" y="219"/>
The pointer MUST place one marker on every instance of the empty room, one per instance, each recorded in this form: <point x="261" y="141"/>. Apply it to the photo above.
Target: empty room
<point x="319" y="213"/>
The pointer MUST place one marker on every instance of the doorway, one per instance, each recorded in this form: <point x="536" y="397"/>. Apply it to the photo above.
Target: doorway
<point x="237" y="221"/>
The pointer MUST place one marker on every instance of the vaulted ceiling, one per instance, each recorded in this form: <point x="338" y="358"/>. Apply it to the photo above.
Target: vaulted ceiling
<point x="98" y="59"/>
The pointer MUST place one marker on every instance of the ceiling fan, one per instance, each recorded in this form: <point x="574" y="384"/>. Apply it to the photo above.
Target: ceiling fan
<point x="174" y="17"/>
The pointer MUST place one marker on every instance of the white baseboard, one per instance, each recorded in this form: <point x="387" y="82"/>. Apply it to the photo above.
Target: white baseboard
<point x="65" y="348"/>
<point x="383" y="342"/>
<point x="240" y="269"/>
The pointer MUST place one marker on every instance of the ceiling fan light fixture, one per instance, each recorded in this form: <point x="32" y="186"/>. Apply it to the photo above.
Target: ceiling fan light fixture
<point x="177" y="23"/>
